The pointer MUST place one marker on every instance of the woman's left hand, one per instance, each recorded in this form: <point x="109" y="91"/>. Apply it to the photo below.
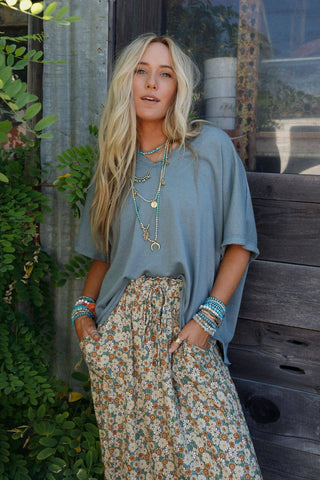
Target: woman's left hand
<point x="193" y="333"/>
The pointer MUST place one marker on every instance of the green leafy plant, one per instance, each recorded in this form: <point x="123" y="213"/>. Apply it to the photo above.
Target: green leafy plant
<point x="46" y="431"/>
<point x="22" y="106"/>
<point x="78" y="163"/>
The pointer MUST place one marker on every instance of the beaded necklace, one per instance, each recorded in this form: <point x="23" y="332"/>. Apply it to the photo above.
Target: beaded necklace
<point x="152" y="151"/>
<point x="154" y="203"/>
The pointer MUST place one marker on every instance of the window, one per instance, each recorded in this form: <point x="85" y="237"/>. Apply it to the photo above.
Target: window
<point x="260" y="63"/>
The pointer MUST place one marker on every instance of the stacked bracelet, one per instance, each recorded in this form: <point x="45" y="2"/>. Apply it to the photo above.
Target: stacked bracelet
<point x="204" y="324"/>
<point x="210" y="314"/>
<point x="83" y="306"/>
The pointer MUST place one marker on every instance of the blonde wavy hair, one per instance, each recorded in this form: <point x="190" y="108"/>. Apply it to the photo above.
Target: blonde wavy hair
<point x="118" y="130"/>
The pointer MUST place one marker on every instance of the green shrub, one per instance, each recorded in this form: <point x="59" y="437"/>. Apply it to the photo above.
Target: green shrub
<point x="46" y="431"/>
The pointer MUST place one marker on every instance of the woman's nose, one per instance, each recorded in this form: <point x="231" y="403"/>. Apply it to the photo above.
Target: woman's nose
<point x="151" y="82"/>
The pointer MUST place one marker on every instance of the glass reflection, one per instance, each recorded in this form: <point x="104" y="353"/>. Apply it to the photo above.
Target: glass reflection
<point x="281" y="125"/>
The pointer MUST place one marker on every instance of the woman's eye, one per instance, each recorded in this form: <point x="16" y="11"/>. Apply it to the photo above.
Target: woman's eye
<point x="140" y="71"/>
<point x="166" y="74"/>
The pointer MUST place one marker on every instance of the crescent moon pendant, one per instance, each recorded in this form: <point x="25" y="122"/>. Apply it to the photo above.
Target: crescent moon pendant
<point x="155" y="244"/>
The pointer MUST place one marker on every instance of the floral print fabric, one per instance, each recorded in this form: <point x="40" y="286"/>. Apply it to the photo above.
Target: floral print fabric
<point x="162" y="416"/>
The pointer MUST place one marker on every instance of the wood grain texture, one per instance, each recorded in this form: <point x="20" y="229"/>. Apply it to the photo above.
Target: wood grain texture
<point x="134" y="17"/>
<point x="272" y="475"/>
<point x="288" y="231"/>
<point x="281" y="416"/>
<point x="295" y="188"/>
<point x="282" y="294"/>
<point x="280" y="463"/>
<point x="276" y="354"/>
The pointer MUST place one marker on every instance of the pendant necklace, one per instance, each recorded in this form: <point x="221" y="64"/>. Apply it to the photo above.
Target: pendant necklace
<point x="154" y="202"/>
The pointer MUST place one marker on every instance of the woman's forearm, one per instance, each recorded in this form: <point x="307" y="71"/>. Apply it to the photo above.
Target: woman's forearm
<point x="231" y="270"/>
<point x="95" y="278"/>
<point x="84" y="324"/>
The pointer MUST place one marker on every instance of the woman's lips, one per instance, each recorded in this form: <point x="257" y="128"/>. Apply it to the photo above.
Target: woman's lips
<point x="150" y="98"/>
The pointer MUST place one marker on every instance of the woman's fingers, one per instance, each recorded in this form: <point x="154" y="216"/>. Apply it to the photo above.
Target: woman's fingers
<point x="94" y="334"/>
<point x="85" y="326"/>
<point x="175" y="344"/>
<point x="194" y="334"/>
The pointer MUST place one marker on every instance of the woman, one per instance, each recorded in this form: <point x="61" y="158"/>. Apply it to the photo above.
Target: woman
<point x="171" y="232"/>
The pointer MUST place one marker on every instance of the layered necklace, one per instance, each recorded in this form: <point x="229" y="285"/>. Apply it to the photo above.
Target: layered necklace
<point x="154" y="201"/>
<point x="150" y="152"/>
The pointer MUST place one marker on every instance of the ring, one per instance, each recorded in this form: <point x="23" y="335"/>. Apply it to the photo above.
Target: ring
<point x="94" y="330"/>
<point x="178" y="340"/>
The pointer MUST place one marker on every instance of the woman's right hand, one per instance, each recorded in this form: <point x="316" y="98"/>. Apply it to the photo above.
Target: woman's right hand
<point x="85" y="326"/>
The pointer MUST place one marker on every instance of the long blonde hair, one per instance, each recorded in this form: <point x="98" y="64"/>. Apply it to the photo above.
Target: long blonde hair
<point x="118" y="129"/>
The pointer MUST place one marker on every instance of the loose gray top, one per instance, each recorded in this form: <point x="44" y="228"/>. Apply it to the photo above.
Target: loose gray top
<point x="205" y="205"/>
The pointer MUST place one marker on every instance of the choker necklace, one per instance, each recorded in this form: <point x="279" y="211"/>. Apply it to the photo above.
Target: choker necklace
<point x="154" y="203"/>
<point x="152" y="151"/>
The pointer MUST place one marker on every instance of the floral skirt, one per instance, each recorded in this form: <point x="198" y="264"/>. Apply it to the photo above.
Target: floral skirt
<point x="164" y="416"/>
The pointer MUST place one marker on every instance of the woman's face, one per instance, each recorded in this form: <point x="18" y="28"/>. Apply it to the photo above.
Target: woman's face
<point x="154" y="84"/>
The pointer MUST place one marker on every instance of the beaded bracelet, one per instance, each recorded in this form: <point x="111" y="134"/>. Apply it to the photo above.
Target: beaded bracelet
<point x="216" y="300"/>
<point x="81" y="314"/>
<point x="210" y="317"/>
<point x="216" y="308"/>
<point x="216" y="304"/>
<point x="83" y="306"/>
<point x="203" y="324"/>
<point x="210" y="314"/>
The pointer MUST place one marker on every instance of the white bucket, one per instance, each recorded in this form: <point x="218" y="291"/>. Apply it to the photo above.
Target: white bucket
<point x="220" y="91"/>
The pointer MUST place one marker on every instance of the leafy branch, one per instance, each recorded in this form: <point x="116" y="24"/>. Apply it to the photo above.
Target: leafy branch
<point x="36" y="8"/>
<point x="20" y="105"/>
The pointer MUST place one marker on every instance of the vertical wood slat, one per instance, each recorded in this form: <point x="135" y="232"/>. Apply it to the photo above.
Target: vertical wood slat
<point x="134" y="17"/>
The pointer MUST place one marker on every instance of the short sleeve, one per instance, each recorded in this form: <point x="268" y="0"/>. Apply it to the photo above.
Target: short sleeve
<point x="238" y="217"/>
<point x="85" y="243"/>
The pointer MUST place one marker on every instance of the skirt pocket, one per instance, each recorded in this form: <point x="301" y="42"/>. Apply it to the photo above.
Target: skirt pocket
<point x="91" y="353"/>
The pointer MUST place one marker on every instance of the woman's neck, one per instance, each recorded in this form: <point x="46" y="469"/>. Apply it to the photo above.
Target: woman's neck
<point x="150" y="136"/>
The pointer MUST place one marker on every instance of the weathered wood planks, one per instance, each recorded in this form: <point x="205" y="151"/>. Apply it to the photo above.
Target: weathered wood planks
<point x="282" y="416"/>
<point x="275" y="354"/>
<point x="281" y="463"/>
<point x="287" y="212"/>
<point x="288" y="231"/>
<point x="283" y="294"/>
<point x="295" y="188"/>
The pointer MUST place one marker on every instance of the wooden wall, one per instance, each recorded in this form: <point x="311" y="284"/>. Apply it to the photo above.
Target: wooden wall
<point x="134" y="17"/>
<point x="275" y="352"/>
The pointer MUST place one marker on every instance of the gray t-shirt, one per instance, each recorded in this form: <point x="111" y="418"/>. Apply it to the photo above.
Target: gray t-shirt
<point x="205" y="205"/>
